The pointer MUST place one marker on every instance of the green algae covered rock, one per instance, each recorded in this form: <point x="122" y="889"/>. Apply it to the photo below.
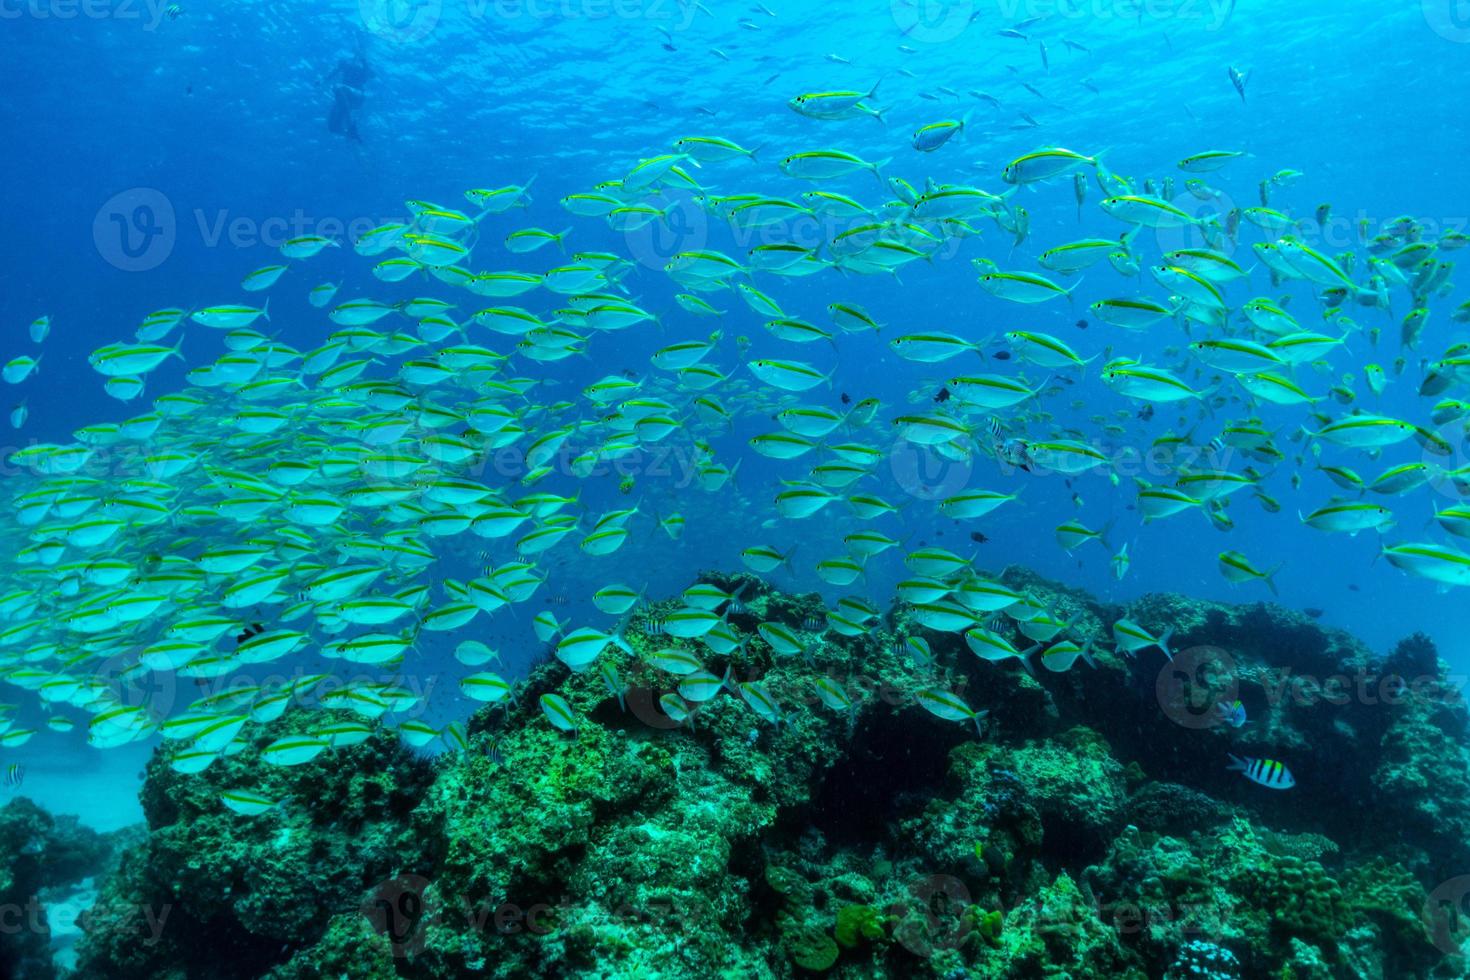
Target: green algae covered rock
<point x="1056" y="933"/>
<point x="1083" y="835"/>
<point x="857" y="924"/>
<point x="260" y="885"/>
<point x="810" y="948"/>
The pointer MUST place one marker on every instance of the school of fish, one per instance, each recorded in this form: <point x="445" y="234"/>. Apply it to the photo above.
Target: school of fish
<point x="290" y="501"/>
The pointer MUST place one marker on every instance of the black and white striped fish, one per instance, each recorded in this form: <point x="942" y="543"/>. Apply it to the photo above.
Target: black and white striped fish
<point x="15" y="774"/>
<point x="1263" y="772"/>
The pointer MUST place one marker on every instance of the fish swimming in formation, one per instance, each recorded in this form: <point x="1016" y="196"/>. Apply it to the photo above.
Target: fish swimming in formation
<point x="351" y="472"/>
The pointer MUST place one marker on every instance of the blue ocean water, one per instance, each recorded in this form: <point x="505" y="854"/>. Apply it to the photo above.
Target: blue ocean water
<point x="156" y="155"/>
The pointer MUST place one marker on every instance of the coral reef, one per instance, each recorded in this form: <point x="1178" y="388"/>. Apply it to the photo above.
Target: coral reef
<point x="1091" y="831"/>
<point x="214" y="893"/>
<point x="40" y="855"/>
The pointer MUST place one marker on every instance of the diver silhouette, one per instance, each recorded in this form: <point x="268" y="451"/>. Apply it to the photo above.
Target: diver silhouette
<point x="351" y="76"/>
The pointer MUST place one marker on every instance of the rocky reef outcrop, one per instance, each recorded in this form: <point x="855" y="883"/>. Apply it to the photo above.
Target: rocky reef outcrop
<point x="1091" y="829"/>
<point x="41" y="856"/>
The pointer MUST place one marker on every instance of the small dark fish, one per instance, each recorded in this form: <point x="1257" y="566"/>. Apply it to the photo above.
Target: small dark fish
<point x="559" y="600"/>
<point x="979" y="537"/>
<point x="846" y="398"/>
<point x="493" y="753"/>
<point x="1354" y="588"/>
<point x="1081" y="324"/>
<point x="1066" y="380"/>
<point x="255" y="629"/>
<point x="1002" y="355"/>
<point x="942" y="396"/>
<point x="654" y="625"/>
<point x="15" y="774"/>
<point x="1314" y="612"/>
<point x="1146" y="413"/>
<point x="811" y="624"/>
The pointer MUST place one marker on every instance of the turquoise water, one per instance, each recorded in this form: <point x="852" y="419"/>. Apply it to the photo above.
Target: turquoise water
<point x="156" y="155"/>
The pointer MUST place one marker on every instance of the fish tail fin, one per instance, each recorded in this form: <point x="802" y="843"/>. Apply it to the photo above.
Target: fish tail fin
<point x="1102" y="536"/>
<point x="787" y="559"/>
<point x="979" y="717"/>
<point x="1071" y="293"/>
<point x="265" y="309"/>
<point x="1270" y="579"/>
<point x="1026" y="658"/>
<point x="980" y="346"/>
<point x="1237" y="764"/>
<point x="1087" y="655"/>
<point x="1164" y="642"/>
<point x="751" y="153"/>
